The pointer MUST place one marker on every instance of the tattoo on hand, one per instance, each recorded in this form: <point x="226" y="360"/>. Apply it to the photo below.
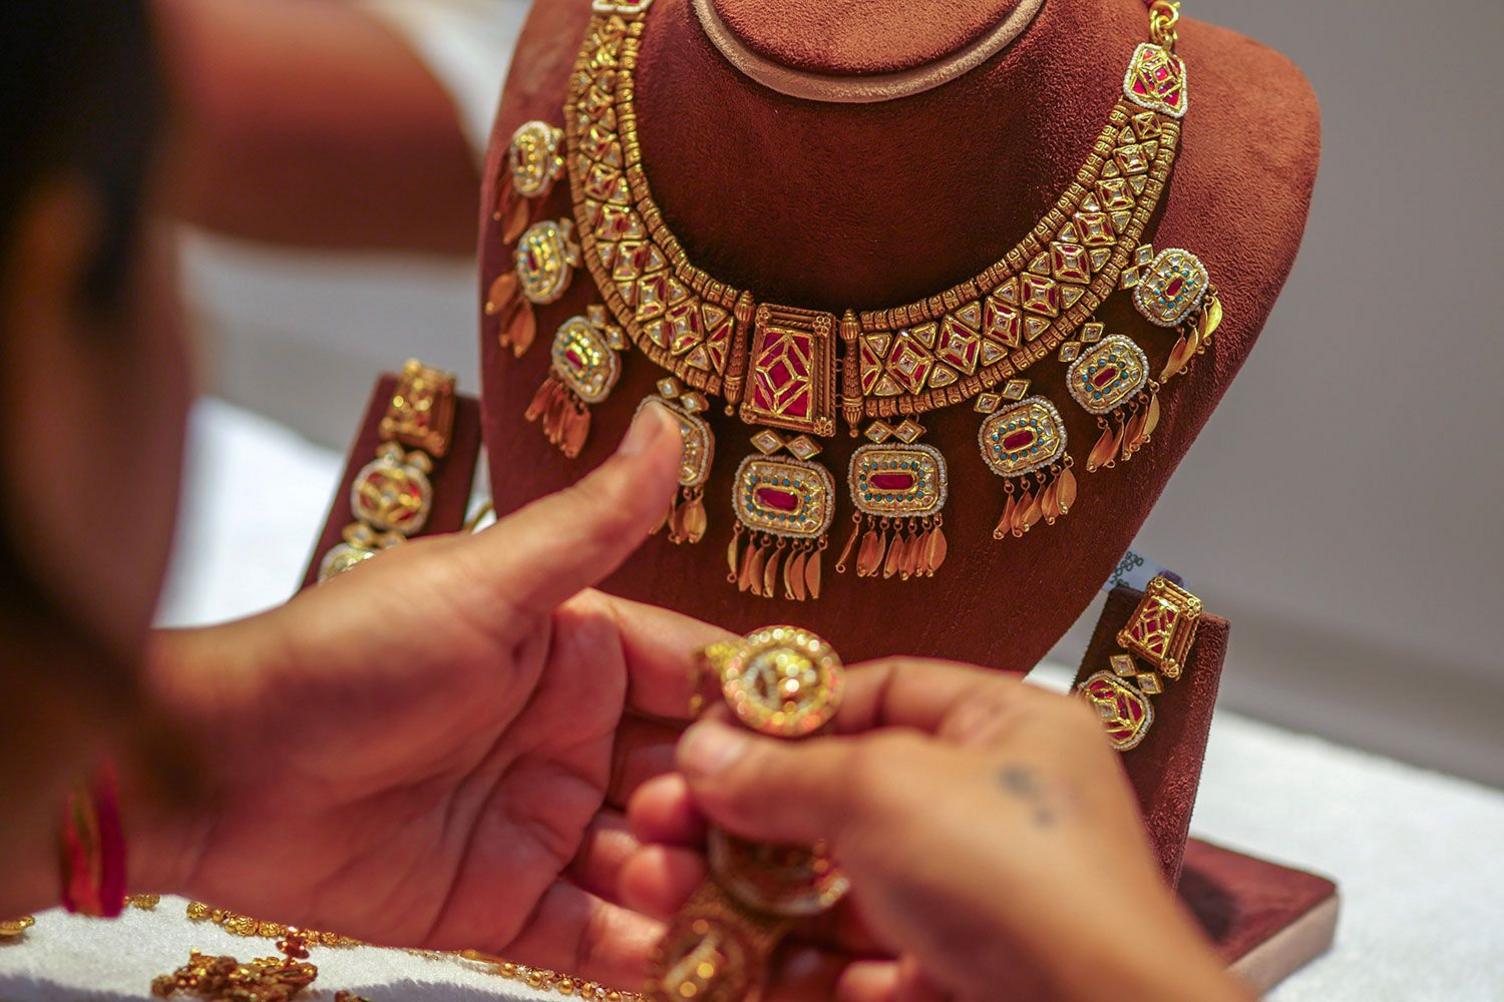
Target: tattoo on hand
<point x="1022" y="783"/>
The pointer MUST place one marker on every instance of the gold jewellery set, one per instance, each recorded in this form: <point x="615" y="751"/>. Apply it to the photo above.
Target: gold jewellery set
<point x="391" y="497"/>
<point x="792" y="372"/>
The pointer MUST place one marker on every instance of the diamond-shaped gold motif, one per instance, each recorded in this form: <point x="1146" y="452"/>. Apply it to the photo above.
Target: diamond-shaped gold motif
<point x="804" y="447"/>
<point x="879" y="432"/>
<point x="1016" y="389"/>
<point x="1149" y="684"/>
<point x="694" y="402"/>
<point x="1070" y="351"/>
<point x="1092" y="333"/>
<point x="909" y="431"/>
<point x="767" y="441"/>
<point x="669" y="388"/>
<point x="988" y="402"/>
<point x="1123" y="665"/>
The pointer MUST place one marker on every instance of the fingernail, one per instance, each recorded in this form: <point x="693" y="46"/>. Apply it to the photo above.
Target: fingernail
<point x="709" y="748"/>
<point x="645" y="428"/>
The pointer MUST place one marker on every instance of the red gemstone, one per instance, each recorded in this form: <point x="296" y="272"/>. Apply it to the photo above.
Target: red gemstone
<point x="1104" y="376"/>
<point x="779" y="500"/>
<point x="1020" y="439"/>
<point x="1173" y="289"/>
<point x="893" y="482"/>
<point x="576" y="361"/>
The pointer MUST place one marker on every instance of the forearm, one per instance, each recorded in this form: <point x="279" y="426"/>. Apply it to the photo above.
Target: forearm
<point x="313" y="125"/>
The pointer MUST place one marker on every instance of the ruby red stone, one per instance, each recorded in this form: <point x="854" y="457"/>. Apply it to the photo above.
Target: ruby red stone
<point x="1021" y="439"/>
<point x="778" y="500"/>
<point x="1173" y="289"/>
<point x="574" y="358"/>
<point x="894" y="482"/>
<point x="1104" y="376"/>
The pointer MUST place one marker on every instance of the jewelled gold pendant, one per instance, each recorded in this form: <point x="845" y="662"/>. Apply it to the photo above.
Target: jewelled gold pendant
<point x="1108" y="376"/>
<point x="535" y="162"/>
<point x="584" y="366"/>
<point x="1025" y="441"/>
<point x="784" y="507"/>
<point x="685" y="519"/>
<point x="899" y="490"/>
<point x="1173" y="289"/>
<point x="545" y="261"/>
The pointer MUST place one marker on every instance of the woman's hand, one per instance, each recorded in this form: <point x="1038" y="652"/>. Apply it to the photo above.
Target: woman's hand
<point x="991" y="839"/>
<point x="431" y="750"/>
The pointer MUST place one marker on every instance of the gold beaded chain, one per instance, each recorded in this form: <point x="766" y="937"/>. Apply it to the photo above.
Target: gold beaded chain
<point x="538" y="978"/>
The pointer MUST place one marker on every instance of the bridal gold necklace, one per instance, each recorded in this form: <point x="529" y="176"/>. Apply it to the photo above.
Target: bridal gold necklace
<point x="793" y="373"/>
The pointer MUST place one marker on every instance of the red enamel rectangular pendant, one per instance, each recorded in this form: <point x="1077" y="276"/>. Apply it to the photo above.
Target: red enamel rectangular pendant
<point x="791" y="380"/>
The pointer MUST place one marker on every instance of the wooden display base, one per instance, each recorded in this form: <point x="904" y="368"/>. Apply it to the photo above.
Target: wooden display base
<point x="1268" y="921"/>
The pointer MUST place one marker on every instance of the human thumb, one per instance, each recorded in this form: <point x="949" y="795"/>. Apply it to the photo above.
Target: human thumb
<point x="769" y="789"/>
<point x="568" y="541"/>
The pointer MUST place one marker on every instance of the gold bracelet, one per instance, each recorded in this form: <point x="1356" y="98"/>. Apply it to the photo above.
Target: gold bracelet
<point x="782" y="682"/>
<point x="392" y="496"/>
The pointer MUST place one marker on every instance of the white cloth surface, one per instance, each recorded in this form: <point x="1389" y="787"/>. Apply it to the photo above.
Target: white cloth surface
<point x="1414" y="852"/>
<point x="467" y="45"/>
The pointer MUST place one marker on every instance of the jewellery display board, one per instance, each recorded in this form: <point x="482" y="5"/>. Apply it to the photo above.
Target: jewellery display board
<point x="451" y="479"/>
<point x="815" y="208"/>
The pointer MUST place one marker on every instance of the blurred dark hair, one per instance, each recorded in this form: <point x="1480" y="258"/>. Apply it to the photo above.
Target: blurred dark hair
<point x="81" y="93"/>
<point x="81" y="96"/>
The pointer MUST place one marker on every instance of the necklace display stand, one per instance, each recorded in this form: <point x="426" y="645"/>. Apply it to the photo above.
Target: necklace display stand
<point x="840" y="154"/>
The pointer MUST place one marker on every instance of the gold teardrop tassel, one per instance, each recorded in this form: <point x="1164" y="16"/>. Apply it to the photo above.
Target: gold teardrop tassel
<point x="576" y="427"/>
<point x="504" y="195"/>
<point x="856" y="530"/>
<point x="692" y="519"/>
<point x="502" y="295"/>
<point x="770" y="573"/>
<point x="1066" y="498"/>
<point x="1211" y="317"/>
<point x="1049" y="505"/>
<point x="939" y="547"/>
<point x="812" y="576"/>
<point x="1103" y="451"/>
<point x="895" y="554"/>
<point x="751" y="576"/>
<point x="732" y="563"/>
<point x="793" y="575"/>
<point x="518" y="217"/>
<point x="542" y="398"/>
<point x="913" y="554"/>
<point x="1005" y="523"/>
<point x="869" y="561"/>
<point x="522" y="329"/>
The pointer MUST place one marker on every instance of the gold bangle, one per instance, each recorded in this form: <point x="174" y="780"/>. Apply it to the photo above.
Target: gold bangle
<point x="782" y="682"/>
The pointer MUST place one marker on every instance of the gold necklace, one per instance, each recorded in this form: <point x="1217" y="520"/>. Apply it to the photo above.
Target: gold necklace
<point x="793" y="370"/>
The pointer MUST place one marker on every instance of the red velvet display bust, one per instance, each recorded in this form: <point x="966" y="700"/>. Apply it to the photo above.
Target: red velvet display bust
<point x="835" y="204"/>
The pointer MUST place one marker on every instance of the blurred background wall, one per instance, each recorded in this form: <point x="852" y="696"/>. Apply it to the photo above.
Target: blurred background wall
<point x="1342" y="508"/>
